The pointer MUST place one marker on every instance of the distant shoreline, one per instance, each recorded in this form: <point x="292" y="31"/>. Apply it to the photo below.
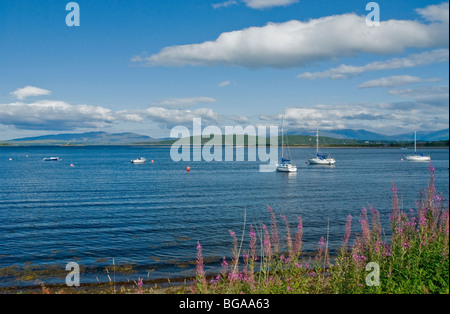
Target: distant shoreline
<point x="385" y="146"/>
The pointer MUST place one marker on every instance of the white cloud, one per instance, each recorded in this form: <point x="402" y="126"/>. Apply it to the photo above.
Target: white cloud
<point x="396" y="80"/>
<point x="387" y="118"/>
<point x="60" y="115"/>
<point x="435" y="13"/>
<point x="414" y="60"/>
<point x="29" y="91"/>
<point x="225" y="4"/>
<point x="295" y="43"/>
<point x="223" y="84"/>
<point x="54" y="115"/>
<point x="175" y="117"/>
<point x="262" y="4"/>
<point x="426" y="96"/>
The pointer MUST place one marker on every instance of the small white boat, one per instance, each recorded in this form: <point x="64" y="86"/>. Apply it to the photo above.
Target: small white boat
<point x="320" y="159"/>
<point x="51" y="159"/>
<point x="286" y="165"/>
<point x="416" y="156"/>
<point x="140" y="160"/>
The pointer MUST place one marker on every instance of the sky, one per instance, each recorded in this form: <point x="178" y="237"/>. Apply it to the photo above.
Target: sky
<point x="148" y="66"/>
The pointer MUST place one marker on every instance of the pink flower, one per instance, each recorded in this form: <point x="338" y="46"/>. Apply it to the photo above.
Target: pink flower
<point x="431" y="169"/>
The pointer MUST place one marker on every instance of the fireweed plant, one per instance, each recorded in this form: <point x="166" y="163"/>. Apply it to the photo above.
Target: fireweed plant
<point x="413" y="259"/>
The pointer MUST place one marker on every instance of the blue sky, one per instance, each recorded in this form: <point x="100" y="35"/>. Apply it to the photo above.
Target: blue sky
<point x="146" y="66"/>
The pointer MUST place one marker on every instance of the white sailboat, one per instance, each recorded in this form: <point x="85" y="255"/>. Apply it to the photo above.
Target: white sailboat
<point x="286" y="165"/>
<point x="320" y="159"/>
<point x="416" y="156"/>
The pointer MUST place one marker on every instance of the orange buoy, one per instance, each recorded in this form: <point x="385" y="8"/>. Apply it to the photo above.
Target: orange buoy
<point x="188" y="169"/>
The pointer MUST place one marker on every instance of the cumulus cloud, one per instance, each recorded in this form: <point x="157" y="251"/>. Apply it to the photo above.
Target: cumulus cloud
<point x="396" y="80"/>
<point x="175" y="117"/>
<point x="296" y="43"/>
<point x="60" y="115"/>
<point x="54" y="115"/>
<point x="379" y="117"/>
<point x="435" y="13"/>
<point x="29" y="91"/>
<point x="414" y="60"/>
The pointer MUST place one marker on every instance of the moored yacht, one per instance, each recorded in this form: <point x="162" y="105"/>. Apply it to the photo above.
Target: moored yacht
<point x="320" y="159"/>
<point x="286" y="165"/>
<point x="417" y="156"/>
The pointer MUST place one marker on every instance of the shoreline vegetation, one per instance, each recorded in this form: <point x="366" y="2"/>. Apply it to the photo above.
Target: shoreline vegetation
<point x="412" y="257"/>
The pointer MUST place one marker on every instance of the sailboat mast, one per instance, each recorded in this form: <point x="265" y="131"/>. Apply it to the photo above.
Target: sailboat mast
<point x="282" y="139"/>
<point x="415" y="141"/>
<point x="317" y="140"/>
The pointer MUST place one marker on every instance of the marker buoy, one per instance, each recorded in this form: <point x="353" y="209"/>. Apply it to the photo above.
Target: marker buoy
<point x="10" y="159"/>
<point x="72" y="165"/>
<point x="153" y="161"/>
<point x="188" y="169"/>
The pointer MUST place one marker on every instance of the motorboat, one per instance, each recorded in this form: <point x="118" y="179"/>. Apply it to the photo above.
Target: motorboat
<point x="140" y="160"/>
<point x="51" y="159"/>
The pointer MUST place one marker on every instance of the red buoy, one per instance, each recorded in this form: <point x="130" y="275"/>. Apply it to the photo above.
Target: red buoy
<point x="188" y="169"/>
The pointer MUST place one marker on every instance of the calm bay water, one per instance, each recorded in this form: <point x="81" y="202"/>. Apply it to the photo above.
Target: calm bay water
<point x="151" y="216"/>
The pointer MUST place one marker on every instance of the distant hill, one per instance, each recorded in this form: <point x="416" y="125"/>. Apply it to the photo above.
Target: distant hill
<point x="442" y="135"/>
<point x="291" y="140"/>
<point x="294" y="137"/>
<point x="85" y="138"/>
<point x="364" y="135"/>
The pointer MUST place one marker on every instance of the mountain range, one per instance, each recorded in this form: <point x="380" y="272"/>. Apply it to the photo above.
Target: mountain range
<point x="327" y="136"/>
<point x="87" y="138"/>
<point x="364" y="135"/>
